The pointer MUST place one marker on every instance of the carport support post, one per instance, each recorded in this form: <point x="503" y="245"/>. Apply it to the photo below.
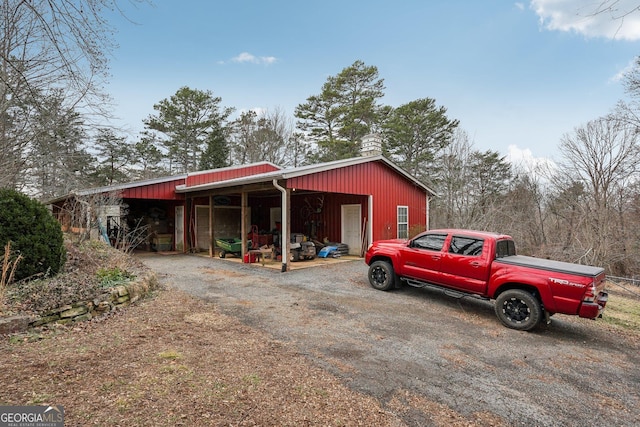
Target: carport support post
<point x="244" y="201"/>
<point x="212" y="242"/>
<point x="188" y="205"/>
<point x="285" y="224"/>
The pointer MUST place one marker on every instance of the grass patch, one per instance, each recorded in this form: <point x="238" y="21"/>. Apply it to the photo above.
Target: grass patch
<point x="110" y="277"/>
<point x="623" y="312"/>
<point x="252" y="379"/>
<point x="29" y="336"/>
<point x="170" y="355"/>
<point x="623" y="308"/>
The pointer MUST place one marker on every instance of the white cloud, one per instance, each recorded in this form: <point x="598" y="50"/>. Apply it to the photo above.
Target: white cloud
<point x="523" y="159"/>
<point x="246" y="57"/>
<point x="619" y="76"/>
<point x="612" y="19"/>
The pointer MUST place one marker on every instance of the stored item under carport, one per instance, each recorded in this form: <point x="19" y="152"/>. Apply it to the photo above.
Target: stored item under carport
<point x="229" y="245"/>
<point x="328" y="251"/>
<point x="302" y="250"/>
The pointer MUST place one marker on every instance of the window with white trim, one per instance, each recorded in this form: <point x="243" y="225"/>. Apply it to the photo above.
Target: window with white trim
<point x="403" y="222"/>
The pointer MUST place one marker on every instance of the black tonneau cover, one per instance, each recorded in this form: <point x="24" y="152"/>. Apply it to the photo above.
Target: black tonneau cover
<point x="547" y="264"/>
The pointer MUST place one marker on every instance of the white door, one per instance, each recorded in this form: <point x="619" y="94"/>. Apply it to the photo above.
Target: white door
<point x="179" y="229"/>
<point x="202" y="227"/>
<point x="351" y="224"/>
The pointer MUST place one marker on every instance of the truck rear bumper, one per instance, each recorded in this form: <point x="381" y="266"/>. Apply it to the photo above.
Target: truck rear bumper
<point x="592" y="310"/>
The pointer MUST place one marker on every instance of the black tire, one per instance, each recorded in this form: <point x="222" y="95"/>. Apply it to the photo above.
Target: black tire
<point x="223" y="254"/>
<point x="518" y="309"/>
<point x="381" y="275"/>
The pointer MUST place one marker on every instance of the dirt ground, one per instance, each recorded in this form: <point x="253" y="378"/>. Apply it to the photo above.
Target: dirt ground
<point x="235" y="344"/>
<point x="175" y="360"/>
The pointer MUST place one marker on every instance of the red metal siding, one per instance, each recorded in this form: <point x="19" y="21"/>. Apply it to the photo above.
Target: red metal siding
<point x="388" y="188"/>
<point x="159" y="191"/>
<point x="328" y="223"/>
<point x="333" y="226"/>
<point x="231" y="173"/>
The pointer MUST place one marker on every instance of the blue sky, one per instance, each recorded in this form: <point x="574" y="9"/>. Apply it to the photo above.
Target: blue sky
<point x="518" y="75"/>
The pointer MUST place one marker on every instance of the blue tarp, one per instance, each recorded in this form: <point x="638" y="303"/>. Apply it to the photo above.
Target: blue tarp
<point x="327" y="251"/>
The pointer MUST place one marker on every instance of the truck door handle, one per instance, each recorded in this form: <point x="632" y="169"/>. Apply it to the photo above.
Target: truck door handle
<point x="475" y="264"/>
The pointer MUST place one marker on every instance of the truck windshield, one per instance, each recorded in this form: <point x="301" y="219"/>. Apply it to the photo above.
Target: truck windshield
<point x="505" y="248"/>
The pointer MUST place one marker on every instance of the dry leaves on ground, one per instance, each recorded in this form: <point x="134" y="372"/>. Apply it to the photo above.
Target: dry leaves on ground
<point x="173" y="360"/>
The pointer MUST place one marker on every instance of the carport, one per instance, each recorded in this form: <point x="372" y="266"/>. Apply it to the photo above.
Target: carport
<point x="335" y="201"/>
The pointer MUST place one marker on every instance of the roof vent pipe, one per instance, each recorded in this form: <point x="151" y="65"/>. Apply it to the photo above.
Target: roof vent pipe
<point x="283" y="240"/>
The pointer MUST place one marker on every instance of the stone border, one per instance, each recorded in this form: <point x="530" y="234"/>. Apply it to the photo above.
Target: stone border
<point x="115" y="298"/>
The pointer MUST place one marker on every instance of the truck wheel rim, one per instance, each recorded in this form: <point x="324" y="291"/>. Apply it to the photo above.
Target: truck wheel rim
<point x="516" y="310"/>
<point x="379" y="275"/>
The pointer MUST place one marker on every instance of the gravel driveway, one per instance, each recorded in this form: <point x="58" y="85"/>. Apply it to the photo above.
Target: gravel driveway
<point x="420" y="352"/>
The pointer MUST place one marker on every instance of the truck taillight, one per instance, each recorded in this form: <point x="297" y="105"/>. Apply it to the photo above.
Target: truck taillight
<point x="590" y="293"/>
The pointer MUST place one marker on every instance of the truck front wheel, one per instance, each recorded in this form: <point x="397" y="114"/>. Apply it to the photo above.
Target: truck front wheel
<point x="381" y="275"/>
<point x="518" y="309"/>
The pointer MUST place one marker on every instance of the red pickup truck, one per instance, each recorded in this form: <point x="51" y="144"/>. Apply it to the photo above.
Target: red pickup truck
<point x="485" y="265"/>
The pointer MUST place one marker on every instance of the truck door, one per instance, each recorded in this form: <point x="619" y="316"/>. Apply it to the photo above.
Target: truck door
<point x="422" y="257"/>
<point x="465" y="264"/>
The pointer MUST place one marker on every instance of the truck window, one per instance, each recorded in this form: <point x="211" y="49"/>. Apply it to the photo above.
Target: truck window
<point x="432" y="242"/>
<point x="466" y="246"/>
<point x="505" y="248"/>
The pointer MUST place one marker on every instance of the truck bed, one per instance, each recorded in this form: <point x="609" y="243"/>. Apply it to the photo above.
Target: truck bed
<point x="547" y="264"/>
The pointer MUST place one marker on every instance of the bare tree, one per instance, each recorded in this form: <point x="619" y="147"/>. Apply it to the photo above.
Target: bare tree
<point x="452" y="205"/>
<point x="522" y="213"/>
<point x="616" y="9"/>
<point x="264" y="137"/>
<point x="47" y="46"/>
<point x="471" y="185"/>
<point x="601" y="158"/>
<point x="604" y="153"/>
<point x="297" y="151"/>
<point x="242" y="137"/>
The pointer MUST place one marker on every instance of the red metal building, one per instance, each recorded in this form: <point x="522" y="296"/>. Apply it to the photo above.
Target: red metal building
<point x="353" y="201"/>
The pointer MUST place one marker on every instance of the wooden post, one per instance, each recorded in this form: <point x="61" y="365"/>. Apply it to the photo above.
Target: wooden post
<point x="243" y="223"/>
<point x="212" y="242"/>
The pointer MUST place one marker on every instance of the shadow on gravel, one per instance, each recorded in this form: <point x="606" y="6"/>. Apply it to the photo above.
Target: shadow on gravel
<point x="565" y="328"/>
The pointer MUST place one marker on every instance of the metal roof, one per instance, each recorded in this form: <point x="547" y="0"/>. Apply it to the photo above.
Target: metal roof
<point x="251" y="179"/>
<point x="118" y="187"/>
<point x="300" y="171"/>
<point x="145" y="182"/>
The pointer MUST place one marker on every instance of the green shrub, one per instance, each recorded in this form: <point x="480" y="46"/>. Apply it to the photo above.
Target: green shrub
<point x="33" y="232"/>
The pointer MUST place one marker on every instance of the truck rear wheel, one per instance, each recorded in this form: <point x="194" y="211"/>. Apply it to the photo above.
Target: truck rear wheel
<point x="518" y="309"/>
<point x="381" y="275"/>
